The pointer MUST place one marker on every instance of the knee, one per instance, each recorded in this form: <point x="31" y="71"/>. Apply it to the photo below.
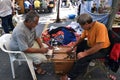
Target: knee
<point x="39" y="60"/>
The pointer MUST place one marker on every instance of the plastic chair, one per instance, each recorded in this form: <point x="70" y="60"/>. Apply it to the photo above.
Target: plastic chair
<point x="15" y="55"/>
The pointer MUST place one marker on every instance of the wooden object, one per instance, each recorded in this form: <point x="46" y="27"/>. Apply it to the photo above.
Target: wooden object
<point x="62" y="49"/>
<point x="62" y="61"/>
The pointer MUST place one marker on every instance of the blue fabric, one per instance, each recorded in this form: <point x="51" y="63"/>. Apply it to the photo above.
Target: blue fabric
<point x="103" y="18"/>
<point x="65" y="39"/>
<point x="68" y="36"/>
<point x="60" y="38"/>
<point x="86" y="8"/>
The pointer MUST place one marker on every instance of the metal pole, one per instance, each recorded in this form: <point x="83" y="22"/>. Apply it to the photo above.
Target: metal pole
<point x="58" y="12"/>
<point x="112" y="14"/>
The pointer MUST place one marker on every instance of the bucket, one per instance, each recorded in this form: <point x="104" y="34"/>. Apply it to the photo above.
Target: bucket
<point x="71" y="16"/>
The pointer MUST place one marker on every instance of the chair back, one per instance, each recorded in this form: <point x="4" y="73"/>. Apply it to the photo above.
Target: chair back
<point x="5" y="40"/>
<point x="19" y="56"/>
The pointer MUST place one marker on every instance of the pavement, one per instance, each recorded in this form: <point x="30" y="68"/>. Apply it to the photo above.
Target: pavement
<point x="22" y="72"/>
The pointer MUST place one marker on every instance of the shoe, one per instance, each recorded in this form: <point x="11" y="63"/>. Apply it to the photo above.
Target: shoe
<point x="40" y="71"/>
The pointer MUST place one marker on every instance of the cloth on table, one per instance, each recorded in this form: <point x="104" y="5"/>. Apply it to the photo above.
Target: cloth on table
<point x="59" y="36"/>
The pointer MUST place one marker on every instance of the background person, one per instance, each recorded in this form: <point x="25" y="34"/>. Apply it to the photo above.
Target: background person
<point x="32" y="2"/>
<point x="27" y="6"/>
<point x="24" y="37"/>
<point x="37" y="4"/>
<point x="94" y="8"/>
<point x="51" y="5"/>
<point x="6" y="12"/>
<point x="97" y="45"/>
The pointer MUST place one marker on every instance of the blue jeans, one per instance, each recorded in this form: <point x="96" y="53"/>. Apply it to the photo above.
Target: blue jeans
<point x="7" y="24"/>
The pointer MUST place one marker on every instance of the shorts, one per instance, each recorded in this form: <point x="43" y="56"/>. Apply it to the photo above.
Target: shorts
<point x="37" y="58"/>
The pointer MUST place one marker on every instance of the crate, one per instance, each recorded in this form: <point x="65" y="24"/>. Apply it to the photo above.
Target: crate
<point x="63" y="66"/>
<point x="62" y="61"/>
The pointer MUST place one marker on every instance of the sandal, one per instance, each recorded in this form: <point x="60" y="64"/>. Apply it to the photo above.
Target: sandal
<point x="64" y="77"/>
<point x="112" y="77"/>
<point x="40" y="71"/>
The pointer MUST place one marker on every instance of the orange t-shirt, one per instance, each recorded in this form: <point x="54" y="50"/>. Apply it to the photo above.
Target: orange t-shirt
<point x="98" y="33"/>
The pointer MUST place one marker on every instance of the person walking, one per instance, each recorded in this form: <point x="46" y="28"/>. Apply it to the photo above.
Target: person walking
<point x="6" y="13"/>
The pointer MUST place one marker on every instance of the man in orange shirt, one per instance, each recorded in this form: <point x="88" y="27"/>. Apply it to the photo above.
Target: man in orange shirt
<point x="96" y="45"/>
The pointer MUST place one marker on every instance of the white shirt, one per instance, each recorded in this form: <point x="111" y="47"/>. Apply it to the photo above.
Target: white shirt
<point x="5" y="7"/>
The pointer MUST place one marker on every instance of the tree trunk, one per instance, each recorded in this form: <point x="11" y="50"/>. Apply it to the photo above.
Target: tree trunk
<point x="58" y="12"/>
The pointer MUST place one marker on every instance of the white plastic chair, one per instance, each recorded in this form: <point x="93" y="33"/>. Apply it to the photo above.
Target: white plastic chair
<point x="4" y="45"/>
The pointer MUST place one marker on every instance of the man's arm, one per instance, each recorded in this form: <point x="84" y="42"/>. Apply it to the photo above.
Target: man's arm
<point x="12" y="6"/>
<point x="95" y="48"/>
<point x="37" y="50"/>
<point x="38" y="40"/>
<point x="79" y="40"/>
<point x="90" y="51"/>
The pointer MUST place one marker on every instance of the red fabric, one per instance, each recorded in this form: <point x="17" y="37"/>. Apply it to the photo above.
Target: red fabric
<point x="58" y="33"/>
<point x="45" y="36"/>
<point x="115" y="53"/>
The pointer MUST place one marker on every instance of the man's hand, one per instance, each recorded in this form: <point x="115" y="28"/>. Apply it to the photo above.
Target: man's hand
<point x="69" y="50"/>
<point x="81" y="55"/>
<point x="44" y="50"/>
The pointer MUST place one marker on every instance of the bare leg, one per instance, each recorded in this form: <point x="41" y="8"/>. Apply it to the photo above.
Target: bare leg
<point x="38" y="69"/>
